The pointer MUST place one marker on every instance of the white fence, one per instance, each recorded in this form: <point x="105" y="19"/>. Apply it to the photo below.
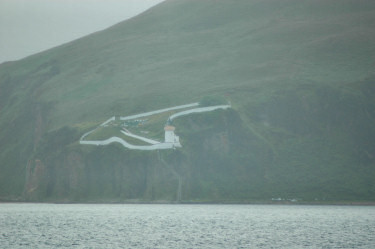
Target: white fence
<point x="154" y="145"/>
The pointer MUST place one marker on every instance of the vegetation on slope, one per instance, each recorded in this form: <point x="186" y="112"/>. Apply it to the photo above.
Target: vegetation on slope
<point x="299" y="75"/>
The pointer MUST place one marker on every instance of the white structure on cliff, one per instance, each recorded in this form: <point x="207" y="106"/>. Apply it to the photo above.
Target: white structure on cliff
<point x="170" y="137"/>
<point x="171" y="140"/>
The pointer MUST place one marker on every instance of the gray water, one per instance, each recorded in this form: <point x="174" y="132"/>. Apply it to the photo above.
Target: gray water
<point x="185" y="226"/>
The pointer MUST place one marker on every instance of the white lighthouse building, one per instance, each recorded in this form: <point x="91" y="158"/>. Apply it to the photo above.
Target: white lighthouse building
<point x="170" y="137"/>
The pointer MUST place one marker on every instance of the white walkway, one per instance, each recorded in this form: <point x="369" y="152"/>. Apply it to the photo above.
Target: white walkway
<point x="159" y="146"/>
<point x="154" y="145"/>
<point x="198" y="110"/>
<point x="159" y="111"/>
<point x="151" y="113"/>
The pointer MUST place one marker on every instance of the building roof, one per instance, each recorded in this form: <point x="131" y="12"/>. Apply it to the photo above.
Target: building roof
<point x="169" y="128"/>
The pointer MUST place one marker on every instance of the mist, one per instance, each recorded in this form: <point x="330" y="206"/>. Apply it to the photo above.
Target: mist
<point x="28" y="27"/>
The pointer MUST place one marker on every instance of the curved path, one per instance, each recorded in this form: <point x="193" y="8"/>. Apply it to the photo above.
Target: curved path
<point x="159" y="146"/>
<point x="154" y="145"/>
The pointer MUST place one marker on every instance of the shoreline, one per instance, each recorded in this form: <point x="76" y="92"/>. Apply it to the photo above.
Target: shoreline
<point x="228" y="202"/>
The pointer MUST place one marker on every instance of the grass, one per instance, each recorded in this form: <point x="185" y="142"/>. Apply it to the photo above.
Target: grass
<point x="280" y="63"/>
<point x="154" y="125"/>
<point x="151" y="127"/>
<point x="99" y="80"/>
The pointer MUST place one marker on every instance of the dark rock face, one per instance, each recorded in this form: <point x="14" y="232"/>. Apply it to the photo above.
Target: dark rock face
<point x="221" y="160"/>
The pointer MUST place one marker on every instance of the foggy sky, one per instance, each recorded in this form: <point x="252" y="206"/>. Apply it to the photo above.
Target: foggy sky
<point x="31" y="26"/>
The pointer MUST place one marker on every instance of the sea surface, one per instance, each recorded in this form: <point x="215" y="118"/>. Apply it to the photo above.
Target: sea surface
<point x="185" y="226"/>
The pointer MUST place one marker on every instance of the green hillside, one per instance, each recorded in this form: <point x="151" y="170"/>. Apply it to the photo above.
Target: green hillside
<point x="299" y="75"/>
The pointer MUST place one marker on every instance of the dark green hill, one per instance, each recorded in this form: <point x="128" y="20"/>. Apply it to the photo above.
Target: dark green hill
<point x="299" y="74"/>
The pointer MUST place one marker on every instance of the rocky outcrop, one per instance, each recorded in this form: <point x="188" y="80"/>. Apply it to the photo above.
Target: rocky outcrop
<point x="35" y="182"/>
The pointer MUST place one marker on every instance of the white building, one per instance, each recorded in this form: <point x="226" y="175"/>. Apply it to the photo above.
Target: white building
<point x="170" y="137"/>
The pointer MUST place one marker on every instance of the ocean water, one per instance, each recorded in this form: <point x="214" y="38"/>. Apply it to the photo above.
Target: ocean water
<point x="185" y="226"/>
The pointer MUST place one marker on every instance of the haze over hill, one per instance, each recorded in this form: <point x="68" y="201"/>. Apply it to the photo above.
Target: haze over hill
<point x="299" y="76"/>
<point x="28" y="27"/>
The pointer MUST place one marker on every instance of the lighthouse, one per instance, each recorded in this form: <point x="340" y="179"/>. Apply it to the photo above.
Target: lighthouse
<point x="170" y="137"/>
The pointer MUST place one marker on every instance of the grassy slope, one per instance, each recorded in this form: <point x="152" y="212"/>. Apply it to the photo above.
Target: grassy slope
<point x="203" y="47"/>
<point x="252" y="52"/>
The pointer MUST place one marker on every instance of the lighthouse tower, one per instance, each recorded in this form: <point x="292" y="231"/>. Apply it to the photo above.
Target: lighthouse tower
<point x="170" y="137"/>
